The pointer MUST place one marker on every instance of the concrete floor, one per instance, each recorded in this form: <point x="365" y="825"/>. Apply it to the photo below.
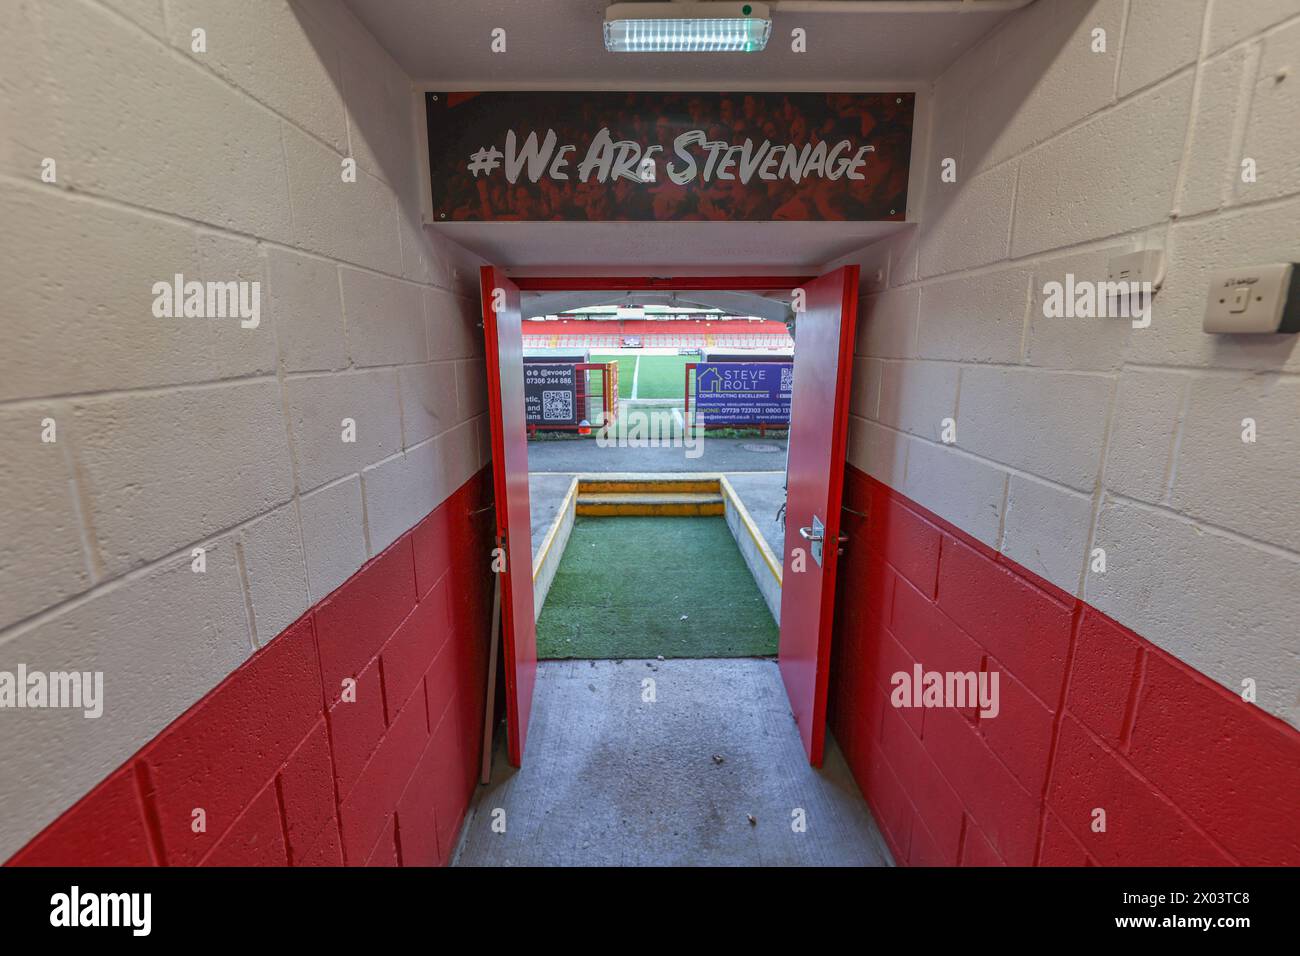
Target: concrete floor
<point x="609" y="780"/>
<point x="763" y="494"/>
<point x="545" y="494"/>
<point x="719" y="454"/>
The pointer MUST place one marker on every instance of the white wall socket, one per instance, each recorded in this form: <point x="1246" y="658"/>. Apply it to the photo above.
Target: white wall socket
<point x="1259" y="299"/>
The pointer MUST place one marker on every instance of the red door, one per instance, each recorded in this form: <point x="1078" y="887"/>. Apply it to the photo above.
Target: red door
<point x="505" y="376"/>
<point x="819" y="413"/>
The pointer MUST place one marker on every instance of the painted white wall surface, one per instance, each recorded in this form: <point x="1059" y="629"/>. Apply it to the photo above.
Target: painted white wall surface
<point x="182" y="433"/>
<point x="1074" y="434"/>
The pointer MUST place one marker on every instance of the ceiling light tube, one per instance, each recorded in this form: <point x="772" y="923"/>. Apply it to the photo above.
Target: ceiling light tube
<point x="714" y="27"/>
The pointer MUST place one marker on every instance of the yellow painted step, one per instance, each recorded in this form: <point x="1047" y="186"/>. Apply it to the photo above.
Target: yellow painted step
<point x="649" y="503"/>
<point x="663" y="485"/>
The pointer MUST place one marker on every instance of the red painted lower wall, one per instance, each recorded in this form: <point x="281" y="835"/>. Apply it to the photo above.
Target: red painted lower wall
<point x="285" y="771"/>
<point x="1092" y="716"/>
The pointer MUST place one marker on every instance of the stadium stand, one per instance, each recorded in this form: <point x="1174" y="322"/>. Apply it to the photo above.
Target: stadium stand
<point x="677" y="333"/>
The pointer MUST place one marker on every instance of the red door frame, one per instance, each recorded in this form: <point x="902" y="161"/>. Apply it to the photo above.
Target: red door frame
<point x="503" y="342"/>
<point x="732" y="283"/>
<point x="818" y="434"/>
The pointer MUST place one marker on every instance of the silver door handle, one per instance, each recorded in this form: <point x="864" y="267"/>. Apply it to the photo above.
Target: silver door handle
<point x="810" y="534"/>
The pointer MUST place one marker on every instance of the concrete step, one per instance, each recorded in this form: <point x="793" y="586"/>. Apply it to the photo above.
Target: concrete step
<point x="649" y="503"/>
<point x="650" y="485"/>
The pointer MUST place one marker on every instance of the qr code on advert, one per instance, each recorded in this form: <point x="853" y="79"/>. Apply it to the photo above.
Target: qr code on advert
<point x="557" y="406"/>
<point x="787" y="379"/>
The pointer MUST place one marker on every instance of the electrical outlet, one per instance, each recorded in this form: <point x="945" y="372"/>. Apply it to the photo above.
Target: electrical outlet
<point x="1258" y="299"/>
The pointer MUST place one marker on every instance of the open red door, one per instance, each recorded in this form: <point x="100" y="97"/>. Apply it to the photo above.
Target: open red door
<point x="505" y="377"/>
<point x="819" y="414"/>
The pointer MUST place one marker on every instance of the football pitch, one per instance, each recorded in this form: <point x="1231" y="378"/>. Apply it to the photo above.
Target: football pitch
<point x="626" y="370"/>
<point x="655" y="376"/>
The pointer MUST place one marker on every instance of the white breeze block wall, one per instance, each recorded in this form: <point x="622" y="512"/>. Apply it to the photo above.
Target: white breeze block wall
<point x="173" y="434"/>
<point x="1074" y="434"/>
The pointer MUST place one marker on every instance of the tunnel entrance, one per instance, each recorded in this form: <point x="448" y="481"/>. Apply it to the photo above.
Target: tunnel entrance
<point x="741" y="379"/>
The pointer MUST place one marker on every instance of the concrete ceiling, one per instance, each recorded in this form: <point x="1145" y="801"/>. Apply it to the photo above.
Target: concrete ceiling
<point x="558" y="44"/>
<point x="865" y="45"/>
<point x="698" y="248"/>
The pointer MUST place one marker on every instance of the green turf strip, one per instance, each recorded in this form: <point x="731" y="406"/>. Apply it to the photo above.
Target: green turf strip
<point x="626" y="367"/>
<point x="624" y="584"/>
<point x="662" y="376"/>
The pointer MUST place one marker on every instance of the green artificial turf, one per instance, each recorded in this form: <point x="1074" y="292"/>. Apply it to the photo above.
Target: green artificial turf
<point x="625" y="584"/>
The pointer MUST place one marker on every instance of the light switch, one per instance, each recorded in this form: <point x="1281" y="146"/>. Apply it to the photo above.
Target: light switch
<point x="1240" y="299"/>
<point x="1145" y="266"/>
<point x="1259" y="299"/>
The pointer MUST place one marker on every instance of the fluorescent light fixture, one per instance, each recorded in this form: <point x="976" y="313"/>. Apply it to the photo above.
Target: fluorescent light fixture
<point x="714" y="27"/>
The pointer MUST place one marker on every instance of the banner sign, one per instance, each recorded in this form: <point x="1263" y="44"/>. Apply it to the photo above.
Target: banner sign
<point x="743" y="393"/>
<point x="550" y="393"/>
<point x="600" y="157"/>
